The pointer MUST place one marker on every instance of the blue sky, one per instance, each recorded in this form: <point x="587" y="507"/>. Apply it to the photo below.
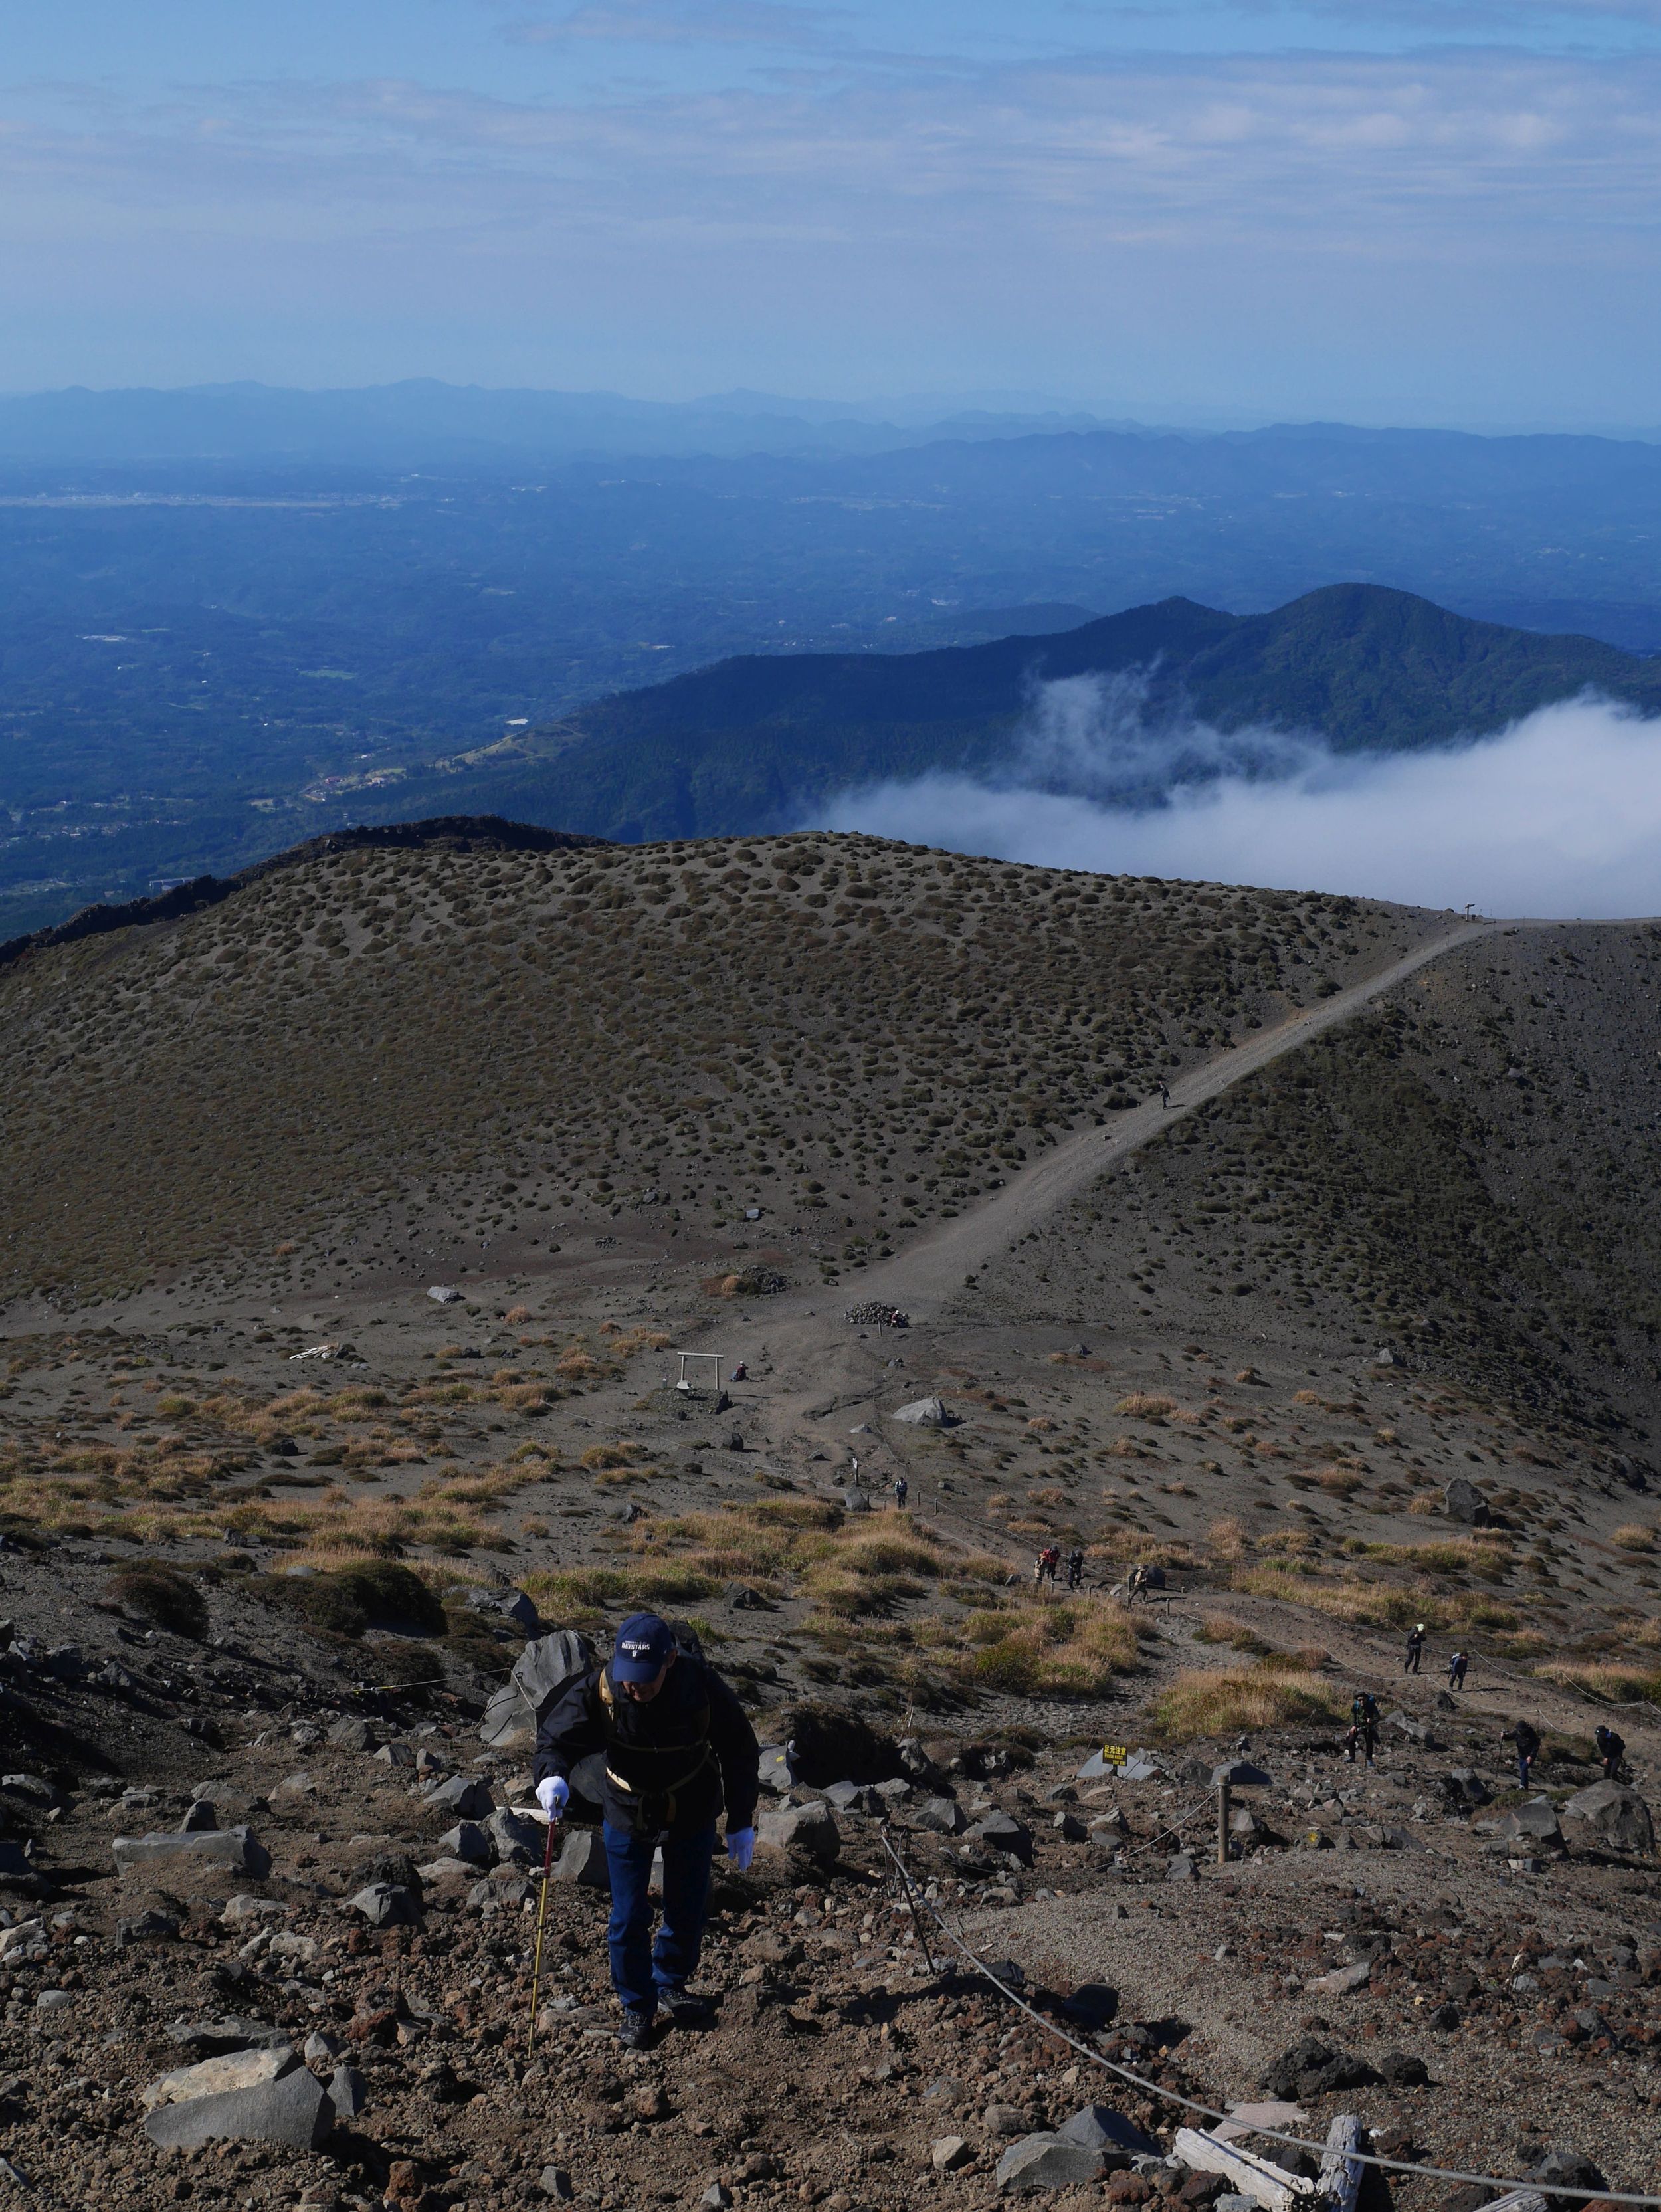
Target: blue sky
<point x="1401" y="212"/>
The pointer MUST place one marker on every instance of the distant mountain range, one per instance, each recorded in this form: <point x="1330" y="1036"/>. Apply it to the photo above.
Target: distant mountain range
<point x="234" y="616"/>
<point x="753" y="743"/>
<point x="422" y="422"/>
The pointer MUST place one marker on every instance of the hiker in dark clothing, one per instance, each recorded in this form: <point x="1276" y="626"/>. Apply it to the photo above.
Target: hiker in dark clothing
<point x="1456" y="1670"/>
<point x="1416" y="1641"/>
<point x="1075" y="1569"/>
<point x="1526" y="1737"/>
<point x="901" y="1491"/>
<point x="1363" y="1734"/>
<point x="1611" y="1749"/>
<point x="676" y="1746"/>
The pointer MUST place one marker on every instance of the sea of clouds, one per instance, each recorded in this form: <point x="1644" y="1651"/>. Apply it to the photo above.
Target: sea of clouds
<point x="1558" y="815"/>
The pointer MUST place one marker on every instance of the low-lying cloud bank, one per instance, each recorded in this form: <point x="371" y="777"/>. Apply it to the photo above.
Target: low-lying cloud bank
<point x="1558" y="815"/>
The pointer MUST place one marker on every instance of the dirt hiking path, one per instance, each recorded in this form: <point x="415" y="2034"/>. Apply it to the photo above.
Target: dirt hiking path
<point x="932" y="1269"/>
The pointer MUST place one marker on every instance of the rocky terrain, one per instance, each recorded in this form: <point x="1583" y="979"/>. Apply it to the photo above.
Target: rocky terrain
<point x="1361" y="1341"/>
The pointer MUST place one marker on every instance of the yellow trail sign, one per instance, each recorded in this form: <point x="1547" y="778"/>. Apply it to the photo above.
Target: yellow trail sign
<point x="1113" y="1755"/>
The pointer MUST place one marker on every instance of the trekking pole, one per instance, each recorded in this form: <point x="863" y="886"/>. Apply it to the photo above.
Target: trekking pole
<point x="542" y="1923"/>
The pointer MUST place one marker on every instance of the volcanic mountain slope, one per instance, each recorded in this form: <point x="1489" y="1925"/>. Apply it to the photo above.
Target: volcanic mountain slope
<point x="1466" y="1171"/>
<point x="392" y="1063"/>
<point x="252" y="1527"/>
<point x="755" y="743"/>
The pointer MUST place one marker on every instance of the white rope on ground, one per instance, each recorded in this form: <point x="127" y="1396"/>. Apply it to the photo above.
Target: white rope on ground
<point x="1173" y="1828"/>
<point x="915" y="1897"/>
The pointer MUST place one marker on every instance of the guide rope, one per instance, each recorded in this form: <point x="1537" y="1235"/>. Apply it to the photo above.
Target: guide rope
<point x="915" y="1898"/>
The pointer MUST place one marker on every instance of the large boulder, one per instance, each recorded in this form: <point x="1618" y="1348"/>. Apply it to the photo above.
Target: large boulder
<point x="31" y="1789"/>
<point x="1534" y="1823"/>
<point x="1465" y="1786"/>
<point x="1566" y="2169"/>
<point x="226" y="1850"/>
<point x="1313" y="2069"/>
<point x="1099" y="2128"/>
<point x="386" y="1905"/>
<point x="254" y="2096"/>
<point x="940" y="1816"/>
<point x="507" y="1605"/>
<point x="1047" y="2161"/>
<point x="1462" y="1502"/>
<point x="349" y="2093"/>
<point x="245" y="2067"/>
<point x="540" y="1674"/>
<point x="462" y="1797"/>
<point x="1002" y="1831"/>
<point x="925" y="1413"/>
<point x="352" y="1733"/>
<point x="467" y="1841"/>
<point x="810" y="1828"/>
<point x="519" y="1840"/>
<point x="1613" y="1816"/>
<point x="582" y="1859"/>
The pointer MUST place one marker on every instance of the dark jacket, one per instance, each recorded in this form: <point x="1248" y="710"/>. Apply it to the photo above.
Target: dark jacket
<point x="669" y="1764"/>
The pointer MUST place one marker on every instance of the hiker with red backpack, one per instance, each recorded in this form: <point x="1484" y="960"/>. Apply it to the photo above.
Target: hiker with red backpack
<point x="678" y="1746"/>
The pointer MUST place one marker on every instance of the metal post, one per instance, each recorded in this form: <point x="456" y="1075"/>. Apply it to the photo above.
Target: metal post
<point x="1222" y="1823"/>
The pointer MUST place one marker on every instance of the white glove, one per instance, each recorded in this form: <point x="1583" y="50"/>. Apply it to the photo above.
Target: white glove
<point x="552" y="1794"/>
<point x="741" y="1847"/>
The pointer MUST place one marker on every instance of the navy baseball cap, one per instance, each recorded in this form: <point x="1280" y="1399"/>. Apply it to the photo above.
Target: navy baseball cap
<point x="644" y="1642"/>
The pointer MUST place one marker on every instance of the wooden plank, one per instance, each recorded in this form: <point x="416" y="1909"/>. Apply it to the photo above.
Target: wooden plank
<point x="1341" y="2170"/>
<point x="1260" y="2179"/>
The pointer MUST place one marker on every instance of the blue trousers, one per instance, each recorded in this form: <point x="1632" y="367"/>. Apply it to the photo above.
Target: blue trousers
<point x="640" y="1968"/>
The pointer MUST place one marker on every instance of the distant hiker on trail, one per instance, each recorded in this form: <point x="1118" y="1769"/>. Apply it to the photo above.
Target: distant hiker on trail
<point x="1048" y="1560"/>
<point x="1526" y="1737"/>
<point x="676" y="1745"/>
<point x="900" y="1488"/>
<point x="1611" y="1749"/>
<point x="1363" y="1734"/>
<point x="1456" y="1670"/>
<point x="739" y="1373"/>
<point x="1164" y="1095"/>
<point x="1416" y="1641"/>
<point x="1075" y="1569"/>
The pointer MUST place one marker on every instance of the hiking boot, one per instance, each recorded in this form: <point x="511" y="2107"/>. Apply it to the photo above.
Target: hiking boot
<point x="686" y="2010"/>
<point x="636" y="2032"/>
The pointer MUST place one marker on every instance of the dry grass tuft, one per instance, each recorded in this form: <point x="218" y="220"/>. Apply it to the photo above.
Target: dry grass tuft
<point x="1219" y="1628"/>
<point x="1201" y="1704"/>
<point x="1611" y="1681"/>
<point x="1049" y="1651"/>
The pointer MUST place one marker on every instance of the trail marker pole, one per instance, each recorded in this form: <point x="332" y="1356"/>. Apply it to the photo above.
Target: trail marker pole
<point x="1223" y="1807"/>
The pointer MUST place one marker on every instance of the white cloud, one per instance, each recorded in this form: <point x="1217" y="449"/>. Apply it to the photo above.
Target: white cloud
<point x="1558" y="815"/>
